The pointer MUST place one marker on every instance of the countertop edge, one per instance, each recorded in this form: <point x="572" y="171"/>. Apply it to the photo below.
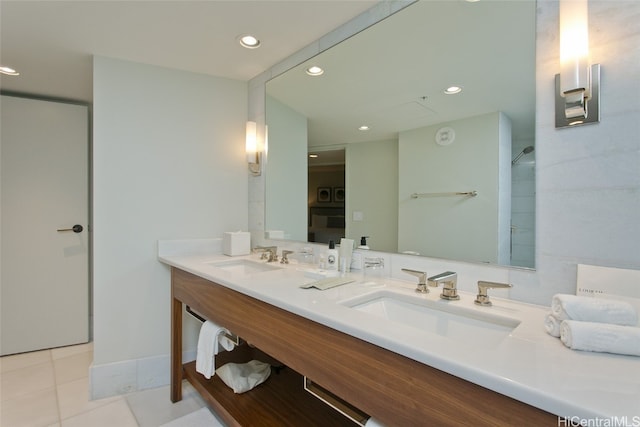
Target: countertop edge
<point x="541" y="397"/>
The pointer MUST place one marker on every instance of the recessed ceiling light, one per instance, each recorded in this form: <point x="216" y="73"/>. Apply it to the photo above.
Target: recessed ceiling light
<point x="314" y="71"/>
<point x="313" y="156"/>
<point x="451" y="90"/>
<point x="248" y="41"/>
<point x="8" y="71"/>
<point x="364" y="127"/>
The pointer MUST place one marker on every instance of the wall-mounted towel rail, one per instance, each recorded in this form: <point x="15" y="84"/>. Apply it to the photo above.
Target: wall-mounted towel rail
<point x="232" y="337"/>
<point x="453" y="193"/>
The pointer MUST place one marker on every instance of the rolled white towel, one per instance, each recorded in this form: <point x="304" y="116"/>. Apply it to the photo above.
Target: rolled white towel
<point x="600" y="337"/>
<point x="589" y="309"/>
<point x="552" y="325"/>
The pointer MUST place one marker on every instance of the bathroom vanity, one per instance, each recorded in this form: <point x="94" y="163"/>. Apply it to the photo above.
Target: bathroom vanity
<point x="397" y="374"/>
<point x="392" y="388"/>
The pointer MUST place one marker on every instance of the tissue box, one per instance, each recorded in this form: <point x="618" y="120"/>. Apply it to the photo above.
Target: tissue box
<point x="236" y="243"/>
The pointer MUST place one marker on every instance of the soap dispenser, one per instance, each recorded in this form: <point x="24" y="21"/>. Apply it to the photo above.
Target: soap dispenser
<point x="363" y="243"/>
<point x="332" y="256"/>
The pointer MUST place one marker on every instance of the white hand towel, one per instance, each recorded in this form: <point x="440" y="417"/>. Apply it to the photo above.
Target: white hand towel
<point x="243" y="377"/>
<point x="588" y="309"/>
<point x="210" y="336"/>
<point x="600" y="337"/>
<point x="552" y="325"/>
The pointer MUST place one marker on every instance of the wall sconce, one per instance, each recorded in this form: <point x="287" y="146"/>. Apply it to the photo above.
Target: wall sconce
<point x="251" y="148"/>
<point x="578" y="84"/>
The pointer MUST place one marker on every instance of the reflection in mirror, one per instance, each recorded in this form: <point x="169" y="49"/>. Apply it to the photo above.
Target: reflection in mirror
<point x="327" y="196"/>
<point x="392" y="77"/>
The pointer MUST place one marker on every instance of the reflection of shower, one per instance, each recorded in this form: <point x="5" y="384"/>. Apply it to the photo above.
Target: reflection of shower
<point x="526" y="150"/>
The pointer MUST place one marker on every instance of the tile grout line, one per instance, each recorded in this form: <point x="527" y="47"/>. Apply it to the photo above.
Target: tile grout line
<point x="59" y="385"/>
<point x="55" y="387"/>
<point x="131" y="410"/>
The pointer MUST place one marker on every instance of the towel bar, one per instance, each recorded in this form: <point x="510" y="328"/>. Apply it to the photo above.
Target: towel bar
<point x="232" y="337"/>
<point x="456" y="193"/>
<point x="340" y="405"/>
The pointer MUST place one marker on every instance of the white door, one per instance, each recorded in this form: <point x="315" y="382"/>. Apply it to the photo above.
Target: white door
<point x="44" y="288"/>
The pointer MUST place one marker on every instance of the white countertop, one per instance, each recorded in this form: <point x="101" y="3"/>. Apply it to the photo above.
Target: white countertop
<point x="527" y="365"/>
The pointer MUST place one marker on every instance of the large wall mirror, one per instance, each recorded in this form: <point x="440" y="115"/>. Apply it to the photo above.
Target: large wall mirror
<point x="447" y="175"/>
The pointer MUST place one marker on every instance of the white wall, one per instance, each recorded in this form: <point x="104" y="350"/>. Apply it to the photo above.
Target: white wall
<point x="372" y="189"/>
<point x="587" y="178"/>
<point x="287" y="159"/>
<point x="168" y="162"/>
<point x="456" y="227"/>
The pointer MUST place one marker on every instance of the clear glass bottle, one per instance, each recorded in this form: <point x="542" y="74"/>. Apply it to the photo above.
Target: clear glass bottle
<point x="373" y="268"/>
<point x="306" y="255"/>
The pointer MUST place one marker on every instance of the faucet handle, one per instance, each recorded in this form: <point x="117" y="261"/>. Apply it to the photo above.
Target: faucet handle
<point x="483" y="298"/>
<point x="284" y="259"/>
<point x="422" y="279"/>
<point x="270" y="253"/>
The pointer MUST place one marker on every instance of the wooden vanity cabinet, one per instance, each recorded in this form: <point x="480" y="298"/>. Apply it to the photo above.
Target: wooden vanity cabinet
<point x="396" y="390"/>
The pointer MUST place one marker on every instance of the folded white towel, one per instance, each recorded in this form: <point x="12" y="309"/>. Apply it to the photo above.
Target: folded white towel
<point x="600" y="337"/>
<point x="589" y="309"/>
<point x="210" y="336"/>
<point x="243" y="377"/>
<point x="552" y="325"/>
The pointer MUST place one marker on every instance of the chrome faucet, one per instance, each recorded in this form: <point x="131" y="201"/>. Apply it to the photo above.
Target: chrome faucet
<point x="285" y="253"/>
<point x="422" y="279"/>
<point x="270" y="253"/>
<point x="449" y="280"/>
<point x="483" y="298"/>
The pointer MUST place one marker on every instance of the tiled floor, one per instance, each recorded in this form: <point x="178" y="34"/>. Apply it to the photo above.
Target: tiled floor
<point x="50" y="388"/>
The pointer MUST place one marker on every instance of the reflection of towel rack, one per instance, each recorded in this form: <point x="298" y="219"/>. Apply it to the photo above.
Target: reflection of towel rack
<point x="459" y="193"/>
<point x="232" y="337"/>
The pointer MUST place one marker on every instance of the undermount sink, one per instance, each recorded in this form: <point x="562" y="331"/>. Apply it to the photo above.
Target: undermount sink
<point x="440" y="317"/>
<point x="244" y="266"/>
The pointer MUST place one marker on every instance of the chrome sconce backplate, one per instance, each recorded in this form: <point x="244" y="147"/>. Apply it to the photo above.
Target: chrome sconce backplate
<point x="255" y="166"/>
<point x="566" y="106"/>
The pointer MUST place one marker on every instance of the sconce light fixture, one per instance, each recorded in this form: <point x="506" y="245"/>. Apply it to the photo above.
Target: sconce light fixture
<point x="578" y="84"/>
<point x="251" y="148"/>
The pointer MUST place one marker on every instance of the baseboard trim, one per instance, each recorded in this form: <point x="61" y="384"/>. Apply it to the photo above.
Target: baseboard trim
<point x="117" y="378"/>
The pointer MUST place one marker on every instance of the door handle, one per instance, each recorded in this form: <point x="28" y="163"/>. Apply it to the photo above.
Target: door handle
<point x="76" y="229"/>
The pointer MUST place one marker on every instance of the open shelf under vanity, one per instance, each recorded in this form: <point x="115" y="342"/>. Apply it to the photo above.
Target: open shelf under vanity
<point x="280" y="400"/>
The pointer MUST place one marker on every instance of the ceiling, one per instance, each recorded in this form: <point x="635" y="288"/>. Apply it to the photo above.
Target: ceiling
<point x="486" y="47"/>
<point x="51" y="43"/>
